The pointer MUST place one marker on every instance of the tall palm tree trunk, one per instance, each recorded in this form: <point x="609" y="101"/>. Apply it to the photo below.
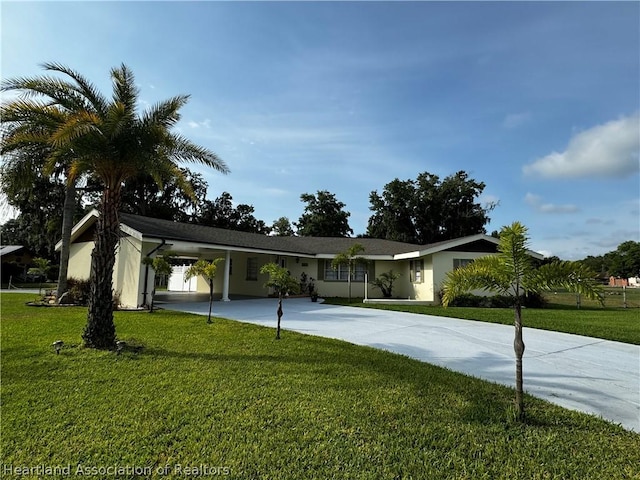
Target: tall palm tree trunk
<point x="518" y="347"/>
<point x="67" y="225"/>
<point x="100" y="331"/>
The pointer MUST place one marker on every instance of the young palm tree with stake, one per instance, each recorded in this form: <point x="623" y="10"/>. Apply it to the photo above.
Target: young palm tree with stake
<point x="511" y="272"/>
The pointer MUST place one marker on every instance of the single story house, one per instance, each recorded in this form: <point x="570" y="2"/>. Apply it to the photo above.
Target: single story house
<point x="422" y="267"/>
<point x="16" y="260"/>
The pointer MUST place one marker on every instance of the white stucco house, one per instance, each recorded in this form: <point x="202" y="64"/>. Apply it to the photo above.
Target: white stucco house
<point x="422" y="267"/>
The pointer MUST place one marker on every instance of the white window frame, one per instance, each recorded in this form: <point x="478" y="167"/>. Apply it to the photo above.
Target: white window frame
<point x="341" y="272"/>
<point x="416" y="271"/>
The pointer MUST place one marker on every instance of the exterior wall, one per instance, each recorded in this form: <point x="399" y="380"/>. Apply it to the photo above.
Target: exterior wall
<point x="424" y="290"/>
<point x="80" y="260"/>
<point x="402" y="288"/>
<point x="129" y="273"/>
<point x="443" y="263"/>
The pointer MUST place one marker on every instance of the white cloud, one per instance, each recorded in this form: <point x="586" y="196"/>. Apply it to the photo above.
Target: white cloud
<point x="514" y="120"/>
<point x="599" y="221"/>
<point x="206" y="123"/>
<point x="536" y="202"/>
<point x="608" y="150"/>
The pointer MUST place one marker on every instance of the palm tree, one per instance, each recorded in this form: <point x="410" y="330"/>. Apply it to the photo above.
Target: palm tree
<point x="511" y="272"/>
<point x="108" y="140"/>
<point x="27" y="126"/>
<point x="349" y="258"/>
<point x="206" y="270"/>
<point x="283" y="283"/>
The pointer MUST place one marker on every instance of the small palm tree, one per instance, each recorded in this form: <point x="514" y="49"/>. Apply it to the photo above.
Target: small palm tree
<point x="161" y="266"/>
<point x="41" y="269"/>
<point x="206" y="270"/>
<point x="349" y="258"/>
<point x="511" y="272"/>
<point x="106" y="139"/>
<point x="281" y="280"/>
<point x="385" y="282"/>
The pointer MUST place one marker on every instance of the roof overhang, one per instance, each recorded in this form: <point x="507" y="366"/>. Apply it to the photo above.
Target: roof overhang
<point x="188" y="247"/>
<point x="82" y="226"/>
<point x="456" y="242"/>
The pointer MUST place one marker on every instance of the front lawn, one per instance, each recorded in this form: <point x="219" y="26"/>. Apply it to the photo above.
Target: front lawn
<point x="227" y="400"/>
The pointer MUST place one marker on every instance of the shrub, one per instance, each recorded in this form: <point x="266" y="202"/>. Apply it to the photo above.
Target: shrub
<point x="385" y="283"/>
<point x="78" y="291"/>
<point x="532" y="300"/>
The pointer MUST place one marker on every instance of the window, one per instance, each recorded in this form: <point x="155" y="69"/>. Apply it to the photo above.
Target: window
<point x="252" y="268"/>
<point x="415" y="270"/>
<point x="461" y="262"/>
<point x="341" y="273"/>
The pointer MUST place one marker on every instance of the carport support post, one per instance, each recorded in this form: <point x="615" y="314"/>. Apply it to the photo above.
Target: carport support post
<point x="366" y="283"/>
<point x="225" y="282"/>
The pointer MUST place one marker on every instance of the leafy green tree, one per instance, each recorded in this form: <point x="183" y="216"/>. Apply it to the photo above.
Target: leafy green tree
<point x="622" y="262"/>
<point x="142" y="195"/>
<point x="222" y="214"/>
<point x="282" y="228"/>
<point x="283" y="283"/>
<point x="393" y="217"/>
<point x="106" y="139"/>
<point x="323" y="216"/>
<point x="511" y="272"/>
<point x="39" y="199"/>
<point x="428" y="210"/>
<point x="350" y="258"/>
<point x="625" y="260"/>
<point x="207" y="270"/>
<point x="598" y="264"/>
<point x="385" y="282"/>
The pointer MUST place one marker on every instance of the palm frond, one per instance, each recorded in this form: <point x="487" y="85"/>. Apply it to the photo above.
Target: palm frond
<point x="186" y="151"/>
<point x="76" y="126"/>
<point x="83" y="87"/>
<point x="165" y="114"/>
<point x="513" y="249"/>
<point x="485" y="273"/>
<point x="124" y="87"/>
<point x="572" y="276"/>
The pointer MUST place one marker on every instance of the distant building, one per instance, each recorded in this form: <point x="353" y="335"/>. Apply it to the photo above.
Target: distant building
<point x="633" y="282"/>
<point x="16" y="260"/>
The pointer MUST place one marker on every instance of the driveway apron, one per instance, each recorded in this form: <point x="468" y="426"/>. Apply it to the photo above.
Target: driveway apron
<point x="587" y="374"/>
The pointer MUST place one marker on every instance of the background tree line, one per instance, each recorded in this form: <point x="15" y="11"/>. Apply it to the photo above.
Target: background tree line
<point x="422" y="210"/>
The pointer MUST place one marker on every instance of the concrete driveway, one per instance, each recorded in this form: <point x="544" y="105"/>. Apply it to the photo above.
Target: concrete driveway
<point x="580" y="373"/>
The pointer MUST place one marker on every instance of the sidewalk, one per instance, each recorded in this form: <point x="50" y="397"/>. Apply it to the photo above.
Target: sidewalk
<point x="580" y="373"/>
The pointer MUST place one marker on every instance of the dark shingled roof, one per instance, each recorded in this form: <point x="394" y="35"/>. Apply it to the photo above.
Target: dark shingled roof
<point x="156" y="228"/>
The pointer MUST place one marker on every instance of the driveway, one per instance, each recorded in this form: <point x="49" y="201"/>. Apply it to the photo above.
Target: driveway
<point x="580" y="373"/>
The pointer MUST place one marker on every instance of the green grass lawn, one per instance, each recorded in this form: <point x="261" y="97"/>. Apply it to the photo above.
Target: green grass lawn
<point x="610" y="323"/>
<point x="229" y="398"/>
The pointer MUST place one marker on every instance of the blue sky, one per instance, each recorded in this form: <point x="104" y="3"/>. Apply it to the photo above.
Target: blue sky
<point x="540" y="101"/>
